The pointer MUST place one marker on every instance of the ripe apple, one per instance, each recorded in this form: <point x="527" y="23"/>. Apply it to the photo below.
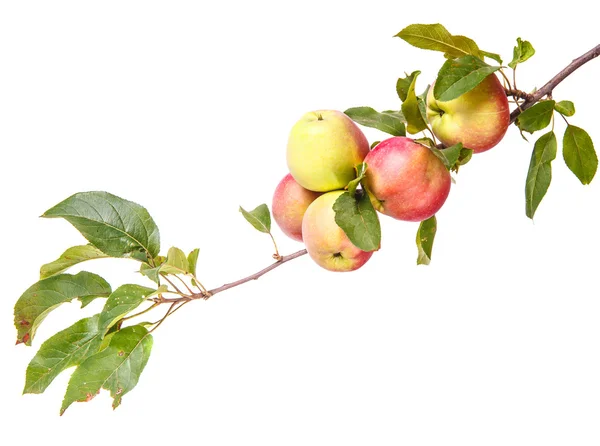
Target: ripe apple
<point x="290" y="202"/>
<point x="478" y="118"/>
<point x="325" y="241"/>
<point x="323" y="148"/>
<point x="405" y="180"/>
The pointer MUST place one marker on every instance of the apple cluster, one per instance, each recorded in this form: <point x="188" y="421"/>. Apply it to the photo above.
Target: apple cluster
<point x="404" y="179"/>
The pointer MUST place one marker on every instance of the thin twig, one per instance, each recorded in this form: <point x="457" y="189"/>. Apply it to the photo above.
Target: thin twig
<point x="172" y="284"/>
<point x="552" y="83"/>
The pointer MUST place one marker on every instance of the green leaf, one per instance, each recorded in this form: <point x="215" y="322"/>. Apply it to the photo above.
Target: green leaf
<point x="492" y="56"/>
<point x="391" y="122"/>
<point x="437" y="38"/>
<point x="65" y="349"/>
<point x="537" y="117"/>
<point x="70" y="257"/>
<point x="117" y="368"/>
<point x="47" y="294"/>
<point x="374" y="144"/>
<point x="450" y="156"/>
<point x="151" y="273"/>
<point x="422" y="101"/>
<point x="425" y="237"/>
<point x="193" y="261"/>
<point x="358" y="219"/>
<point x="117" y="227"/>
<point x="523" y="51"/>
<point x="579" y="154"/>
<point x="360" y="169"/>
<point x="177" y="262"/>
<point x="464" y="157"/>
<point x="410" y="107"/>
<point x="260" y="218"/>
<point x="565" y="108"/>
<point x="540" y="172"/>
<point x="123" y="300"/>
<point x="459" y="76"/>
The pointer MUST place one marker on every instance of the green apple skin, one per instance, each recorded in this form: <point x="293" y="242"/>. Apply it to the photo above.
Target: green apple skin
<point x="405" y="180"/>
<point x="290" y="202"/>
<point x="479" y="118"/>
<point x="323" y="148"/>
<point x="325" y="241"/>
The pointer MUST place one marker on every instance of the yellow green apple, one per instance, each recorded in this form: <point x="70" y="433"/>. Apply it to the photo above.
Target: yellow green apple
<point x="323" y="148"/>
<point x="478" y="118"/>
<point x="290" y="202"/>
<point x="325" y="241"/>
<point x="405" y="180"/>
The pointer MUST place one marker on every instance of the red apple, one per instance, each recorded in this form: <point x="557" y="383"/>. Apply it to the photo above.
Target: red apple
<point x="478" y="118"/>
<point x="290" y="202"/>
<point x="326" y="243"/>
<point x="405" y="180"/>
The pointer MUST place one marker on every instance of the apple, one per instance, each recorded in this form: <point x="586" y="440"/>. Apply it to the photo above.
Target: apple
<point x="405" y="180"/>
<point x="290" y="202"/>
<point x="323" y="148"/>
<point x="325" y="241"/>
<point x="479" y="118"/>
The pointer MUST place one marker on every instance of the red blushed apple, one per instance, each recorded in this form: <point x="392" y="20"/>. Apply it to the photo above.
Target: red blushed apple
<point x="326" y="243"/>
<point x="290" y="202"/>
<point x="479" y="118"/>
<point x="405" y="180"/>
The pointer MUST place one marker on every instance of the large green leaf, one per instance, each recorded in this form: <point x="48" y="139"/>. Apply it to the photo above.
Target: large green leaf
<point x="65" y="349"/>
<point x="259" y="217"/>
<point x="70" y="257"/>
<point x="117" y="368"/>
<point x="539" y="175"/>
<point x="358" y="219"/>
<point x="391" y="122"/>
<point x="537" y="117"/>
<point x="437" y="38"/>
<point x="115" y="226"/>
<point x="425" y="238"/>
<point x="579" y="154"/>
<point x="410" y="107"/>
<point x="47" y="294"/>
<point x="123" y="300"/>
<point x="459" y="76"/>
<point x="523" y="51"/>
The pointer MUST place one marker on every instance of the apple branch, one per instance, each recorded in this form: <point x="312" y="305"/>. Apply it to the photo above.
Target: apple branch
<point x="552" y="83"/>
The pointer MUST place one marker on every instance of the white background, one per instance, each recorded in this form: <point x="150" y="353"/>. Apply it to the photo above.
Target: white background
<point x="185" y="107"/>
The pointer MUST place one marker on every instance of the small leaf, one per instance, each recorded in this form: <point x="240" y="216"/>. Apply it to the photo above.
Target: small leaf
<point x="422" y="101"/>
<point x="437" y="38"/>
<point x="358" y="219"/>
<point x="151" y="273"/>
<point x="492" y="56"/>
<point x="523" y="51"/>
<point x="47" y="294"/>
<point x="579" y="154"/>
<point x="537" y="117"/>
<point x="361" y="169"/>
<point x="565" y="108"/>
<point x="465" y="156"/>
<point x="193" y="261"/>
<point x="539" y="175"/>
<point x="260" y="218"/>
<point x="70" y="257"/>
<point x="449" y="156"/>
<point x="176" y="263"/>
<point x="374" y="144"/>
<point x="391" y="122"/>
<point x="117" y="227"/>
<point x="65" y="349"/>
<point x="121" y="301"/>
<point x="117" y="368"/>
<point x="425" y="237"/>
<point x="410" y="108"/>
<point x="459" y="76"/>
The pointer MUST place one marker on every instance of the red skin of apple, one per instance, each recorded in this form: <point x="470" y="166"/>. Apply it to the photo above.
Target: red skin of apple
<point x="479" y="118"/>
<point x="290" y="202"/>
<point x="406" y="180"/>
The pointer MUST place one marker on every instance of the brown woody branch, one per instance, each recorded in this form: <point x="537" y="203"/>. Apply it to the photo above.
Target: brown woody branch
<point x="552" y="83"/>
